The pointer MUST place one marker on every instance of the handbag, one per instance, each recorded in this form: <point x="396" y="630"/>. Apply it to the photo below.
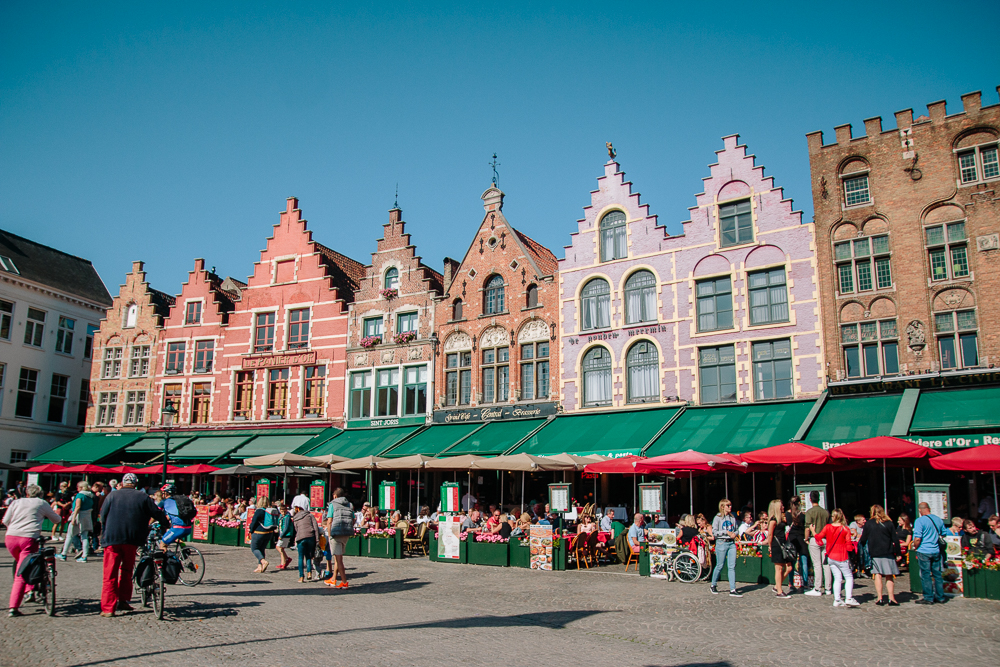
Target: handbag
<point x="788" y="551"/>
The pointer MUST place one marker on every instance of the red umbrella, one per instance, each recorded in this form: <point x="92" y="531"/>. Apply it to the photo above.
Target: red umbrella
<point x="984" y="458"/>
<point x="48" y="467"/>
<point x="88" y="468"/>
<point x="902" y="453"/>
<point x="619" y="466"/>
<point x="154" y="469"/>
<point x="790" y="453"/>
<point x="121" y="470"/>
<point x="196" y="469"/>
<point x="689" y="461"/>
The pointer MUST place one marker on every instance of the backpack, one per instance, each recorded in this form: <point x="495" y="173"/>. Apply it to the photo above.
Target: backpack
<point x="186" y="511"/>
<point x="32" y="569"/>
<point x="145" y="573"/>
<point x="172" y="567"/>
<point x="268" y="521"/>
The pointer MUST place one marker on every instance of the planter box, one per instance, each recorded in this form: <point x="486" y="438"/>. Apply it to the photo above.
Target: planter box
<point x="643" y="562"/>
<point x="767" y="571"/>
<point x="520" y="554"/>
<point x="354" y="545"/>
<point x="992" y="581"/>
<point x="559" y="555"/>
<point x="748" y="570"/>
<point x="915" y="586"/>
<point x="382" y="548"/>
<point x="432" y="547"/>
<point x="488" y="553"/>
<point x="229" y="537"/>
<point x="983" y="584"/>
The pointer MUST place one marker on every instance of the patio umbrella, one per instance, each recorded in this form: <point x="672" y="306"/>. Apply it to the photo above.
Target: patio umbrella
<point x="48" y="467"/>
<point x="688" y="461"/>
<point x="405" y="463"/>
<point x="290" y="471"/>
<point x="282" y="459"/>
<point x="121" y="470"/>
<point x="902" y="453"/>
<point x="88" y="468"/>
<point x="235" y="470"/>
<point x="523" y="463"/>
<point x="157" y="468"/>
<point x="984" y="458"/>
<point x="196" y="469"/>
<point x="622" y="466"/>
<point x="794" y="454"/>
<point x="329" y="459"/>
<point x="367" y="463"/>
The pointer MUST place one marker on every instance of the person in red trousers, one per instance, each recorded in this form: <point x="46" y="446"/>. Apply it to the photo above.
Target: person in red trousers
<point x="125" y="519"/>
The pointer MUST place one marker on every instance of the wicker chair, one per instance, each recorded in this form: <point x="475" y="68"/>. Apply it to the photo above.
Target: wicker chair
<point x="418" y="543"/>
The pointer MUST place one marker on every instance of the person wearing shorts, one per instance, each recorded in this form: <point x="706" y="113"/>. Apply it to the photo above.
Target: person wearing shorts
<point x="177" y="528"/>
<point x="339" y="525"/>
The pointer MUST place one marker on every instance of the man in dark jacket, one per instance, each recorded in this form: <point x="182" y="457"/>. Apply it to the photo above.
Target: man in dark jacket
<point x="125" y="517"/>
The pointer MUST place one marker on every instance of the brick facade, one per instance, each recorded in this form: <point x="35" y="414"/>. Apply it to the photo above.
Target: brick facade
<point x="908" y="243"/>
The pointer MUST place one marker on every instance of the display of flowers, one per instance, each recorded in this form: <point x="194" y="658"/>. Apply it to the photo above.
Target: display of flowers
<point x="980" y="562"/>
<point x="748" y="550"/>
<point x="370" y="341"/>
<point x="462" y="537"/>
<point x="380" y="533"/>
<point x="389" y="294"/>
<point x="405" y="337"/>
<point x="494" y="538"/>
<point x="226" y="523"/>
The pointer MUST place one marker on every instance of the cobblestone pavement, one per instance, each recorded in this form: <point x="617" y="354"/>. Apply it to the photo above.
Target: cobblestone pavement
<point x="414" y="612"/>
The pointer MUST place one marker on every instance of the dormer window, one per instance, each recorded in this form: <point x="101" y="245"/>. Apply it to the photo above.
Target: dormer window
<point x="391" y="280"/>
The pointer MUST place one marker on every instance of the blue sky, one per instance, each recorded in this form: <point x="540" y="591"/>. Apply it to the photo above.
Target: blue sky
<point x="169" y="131"/>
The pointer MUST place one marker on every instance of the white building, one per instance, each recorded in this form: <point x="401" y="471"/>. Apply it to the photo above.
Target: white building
<point x="51" y="303"/>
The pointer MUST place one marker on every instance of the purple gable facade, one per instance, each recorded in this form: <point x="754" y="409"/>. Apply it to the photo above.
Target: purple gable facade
<point x="727" y="312"/>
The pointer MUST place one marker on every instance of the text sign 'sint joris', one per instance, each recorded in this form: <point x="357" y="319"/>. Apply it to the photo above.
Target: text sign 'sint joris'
<point x="495" y="413"/>
<point x="271" y="360"/>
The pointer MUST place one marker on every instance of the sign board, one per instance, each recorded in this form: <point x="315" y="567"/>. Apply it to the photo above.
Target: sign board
<point x="651" y="498"/>
<point x="661" y="541"/>
<point x="32" y="478"/>
<point x="495" y="413"/>
<point x="449" y="537"/>
<point x="449" y="497"/>
<point x="287" y="359"/>
<point x="540" y="546"/>
<point x="199" y="529"/>
<point x="938" y="496"/>
<point x="559" y="497"/>
<point x="317" y="494"/>
<point x="264" y="487"/>
<point x="246" y="527"/>
<point x="386" y="422"/>
<point x="951" y="570"/>
<point x="803" y="491"/>
<point x="387" y="496"/>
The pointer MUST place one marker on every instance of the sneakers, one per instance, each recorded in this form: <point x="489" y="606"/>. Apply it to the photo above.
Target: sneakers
<point x="814" y="593"/>
<point x="851" y="602"/>
<point x="838" y="603"/>
<point x="61" y="557"/>
<point x="783" y="596"/>
<point x="734" y="594"/>
<point x="29" y="596"/>
<point x="715" y="590"/>
<point x="828" y="593"/>
<point x="81" y="559"/>
<point x="14" y="612"/>
<point x="342" y="584"/>
<point x="331" y="582"/>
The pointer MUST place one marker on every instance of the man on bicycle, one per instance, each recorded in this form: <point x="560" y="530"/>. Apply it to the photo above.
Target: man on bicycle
<point x="178" y="528"/>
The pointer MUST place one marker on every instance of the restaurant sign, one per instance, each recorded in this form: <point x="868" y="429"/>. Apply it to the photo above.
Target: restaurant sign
<point x="495" y="413"/>
<point x="934" y="441"/>
<point x="287" y="359"/>
<point x="383" y="422"/>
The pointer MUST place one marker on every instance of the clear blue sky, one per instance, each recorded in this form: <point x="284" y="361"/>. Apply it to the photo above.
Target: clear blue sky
<point x="162" y="132"/>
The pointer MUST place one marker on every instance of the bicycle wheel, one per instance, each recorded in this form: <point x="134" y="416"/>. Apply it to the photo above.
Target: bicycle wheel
<point x="50" y="600"/>
<point x="686" y="568"/>
<point x="192" y="566"/>
<point x="159" y="590"/>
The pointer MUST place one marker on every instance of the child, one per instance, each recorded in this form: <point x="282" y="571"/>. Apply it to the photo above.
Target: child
<point x="323" y="551"/>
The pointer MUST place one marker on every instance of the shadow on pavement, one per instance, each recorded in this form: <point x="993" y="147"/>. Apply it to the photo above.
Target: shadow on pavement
<point x="314" y="588"/>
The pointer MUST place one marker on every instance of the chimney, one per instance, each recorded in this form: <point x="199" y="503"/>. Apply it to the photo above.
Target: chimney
<point x="450" y="267"/>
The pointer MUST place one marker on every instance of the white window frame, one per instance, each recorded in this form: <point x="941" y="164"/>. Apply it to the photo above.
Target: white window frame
<point x="978" y="164"/>
<point x="853" y="176"/>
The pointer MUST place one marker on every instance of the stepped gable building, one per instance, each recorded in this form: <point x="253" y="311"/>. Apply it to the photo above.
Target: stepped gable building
<point x="391" y="344"/>
<point x="497" y="326"/>
<point x="126" y="349"/>
<point x="908" y="233"/>
<point x="726" y="312"/>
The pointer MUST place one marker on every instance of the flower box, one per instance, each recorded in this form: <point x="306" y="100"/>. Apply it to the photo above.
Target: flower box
<point x="559" y="555"/>
<point x="981" y="583"/>
<point x="748" y="569"/>
<point x="229" y="537"/>
<point x="383" y="547"/>
<point x="488" y="553"/>
<point x="767" y="570"/>
<point x="992" y="580"/>
<point x="519" y="553"/>
<point x="915" y="586"/>
<point x="354" y="545"/>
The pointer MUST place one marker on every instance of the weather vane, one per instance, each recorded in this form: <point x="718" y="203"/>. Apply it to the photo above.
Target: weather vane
<point x="396" y="203"/>
<point x="496" y="176"/>
<point x="611" y="150"/>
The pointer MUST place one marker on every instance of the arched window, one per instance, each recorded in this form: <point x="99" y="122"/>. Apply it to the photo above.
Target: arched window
<point x="131" y="314"/>
<point x="595" y="304"/>
<point x="494" y="296"/>
<point x="532" y="299"/>
<point x="643" y="363"/>
<point x="640" y="298"/>
<point x="597" y="377"/>
<point x="456" y="310"/>
<point x="613" y="242"/>
<point x="392" y="278"/>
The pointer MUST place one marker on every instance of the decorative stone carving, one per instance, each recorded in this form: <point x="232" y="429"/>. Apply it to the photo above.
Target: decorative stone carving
<point x="954" y="298"/>
<point x="360" y="359"/>
<point x="916" y="336"/>
<point x="388" y="356"/>
<point x="415" y="353"/>
<point x="494" y="337"/>
<point x="533" y="331"/>
<point x="458" y="341"/>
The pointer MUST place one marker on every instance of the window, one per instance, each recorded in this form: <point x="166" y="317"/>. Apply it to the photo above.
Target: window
<point x="406" y="322"/>
<point x="243" y="399"/>
<point x="27" y="386"/>
<point x="643" y="364"/>
<point x="7" y="264"/>
<point x="531" y="301"/>
<point x="135" y="407"/>
<point x="595" y="304"/>
<point x="640" y="298"/>
<point x="458" y="378"/>
<point x="298" y="328"/>
<point x="494" y="303"/>
<point x="870" y="348"/>
<point x="373" y="327"/>
<point x="456" y="310"/>
<point x="315" y="390"/>
<point x="856" y="190"/>
<point x="718" y="374"/>
<point x="175" y="358"/>
<point x="34" y="327"/>
<point x="387" y="392"/>
<point x="361" y="395"/>
<point x="854" y="264"/>
<point x="496" y="375"/>
<point x="131" y="314"/>
<point x="772" y="370"/>
<point x="534" y="371"/>
<point x="979" y="160"/>
<point x="715" y="304"/>
<point x="64" y="335"/>
<point x="192" y="312"/>
<point x="107" y="408"/>
<point x="277" y="393"/>
<point x="112" y="366"/>
<point x="201" y="401"/>
<point x="18" y="455"/>
<point x="414" y="390"/>
<point x="614" y="238"/>
<point x="81" y="411"/>
<point x="956" y="332"/>
<point x="139" y="365"/>
<point x="6" y="318"/>
<point x="172" y="395"/>
<point x="597" y="378"/>
<point x="736" y="223"/>
<point x="947" y="250"/>
<point x="391" y="280"/>
<point x="768" y="297"/>
<point x="264" y="334"/>
<point x="57" y="398"/>
<point x="88" y="345"/>
<point x="204" y="352"/>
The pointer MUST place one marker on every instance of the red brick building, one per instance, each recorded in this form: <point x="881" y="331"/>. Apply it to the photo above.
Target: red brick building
<point x="497" y="324"/>
<point x="390" y="348"/>
<point x="908" y="235"/>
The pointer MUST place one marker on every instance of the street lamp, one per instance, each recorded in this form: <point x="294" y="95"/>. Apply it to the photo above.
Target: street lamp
<point x="168" y="414"/>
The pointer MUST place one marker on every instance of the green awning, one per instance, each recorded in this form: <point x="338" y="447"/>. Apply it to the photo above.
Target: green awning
<point x="957" y="410"/>
<point x="318" y="439"/>
<point x="496" y="438"/>
<point x="732" y="428"/>
<point x="853" y="418"/>
<point x="154" y="444"/>
<point x="209" y="446"/>
<point x="434" y="439"/>
<point x="88" y="448"/>
<point x="356" y="443"/>
<point x="607" y="433"/>
<point x="270" y="444"/>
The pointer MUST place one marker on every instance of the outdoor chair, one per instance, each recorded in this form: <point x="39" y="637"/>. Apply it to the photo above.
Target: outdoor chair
<point x="592" y="547"/>
<point x="413" y="544"/>
<point x="579" y="548"/>
<point x="633" y="557"/>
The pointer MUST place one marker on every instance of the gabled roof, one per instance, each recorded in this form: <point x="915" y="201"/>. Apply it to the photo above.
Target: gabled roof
<point x="345" y="272"/>
<point x="54" y="268"/>
<point x="543" y="257"/>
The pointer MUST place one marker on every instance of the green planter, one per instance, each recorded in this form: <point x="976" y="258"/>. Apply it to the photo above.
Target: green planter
<point x="432" y="547"/>
<point x="463" y="553"/>
<point x="559" y="555"/>
<point x="520" y="554"/>
<point x="228" y="537"/>
<point x="354" y="545"/>
<point x="767" y="570"/>
<point x="643" y="562"/>
<point x="748" y="569"/>
<point x="992" y="580"/>
<point x="915" y="586"/>
<point x="382" y="548"/>
<point x="973" y="583"/>
<point x="488" y="553"/>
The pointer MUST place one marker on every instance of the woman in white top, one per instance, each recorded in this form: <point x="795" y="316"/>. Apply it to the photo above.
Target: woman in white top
<point x="23" y="519"/>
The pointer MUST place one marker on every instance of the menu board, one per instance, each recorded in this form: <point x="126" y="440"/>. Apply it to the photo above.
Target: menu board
<point x="449" y="536"/>
<point x="199" y="528"/>
<point x="936" y="496"/>
<point x="651" y="498"/>
<point x="263" y="488"/>
<point x="449" y="497"/>
<point x="387" y="496"/>
<point x="559" y="497"/>
<point x="662" y="543"/>
<point x="540" y="545"/>
<point x="952" y="569"/>
<point x="246" y="526"/>
<point x="317" y="493"/>
<point x="804" y="492"/>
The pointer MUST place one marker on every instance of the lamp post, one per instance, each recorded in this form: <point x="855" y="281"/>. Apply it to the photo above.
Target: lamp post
<point x="168" y="414"/>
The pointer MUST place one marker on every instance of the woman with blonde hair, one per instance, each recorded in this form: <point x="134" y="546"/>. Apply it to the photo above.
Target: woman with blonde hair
<point x="880" y="536"/>
<point x="836" y="537"/>
<point x="262" y="527"/>
<point x="724" y="530"/>
<point x="776" y="537"/>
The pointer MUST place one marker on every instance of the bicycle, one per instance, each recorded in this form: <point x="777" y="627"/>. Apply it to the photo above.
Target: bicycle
<point x="674" y="561"/>
<point x="156" y="589"/>
<point x="192" y="562"/>
<point x="44" y="592"/>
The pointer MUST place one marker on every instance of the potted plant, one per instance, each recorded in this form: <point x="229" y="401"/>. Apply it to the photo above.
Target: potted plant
<point x="227" y="532"/>
<point x="369" y="342"/>
<point x="981" y="576"/>
<point x="404" y="338"/>
<point x="381" y="543"/>
<point x="389" y="294"/>
<point x="488" y="549"/>
<point x="519" y="553"/>
<point x="355" y="544"/>
<point x="748" y="563"/>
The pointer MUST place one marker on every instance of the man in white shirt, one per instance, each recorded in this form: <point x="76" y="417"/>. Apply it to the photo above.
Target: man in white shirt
<point x="468" y="501"/>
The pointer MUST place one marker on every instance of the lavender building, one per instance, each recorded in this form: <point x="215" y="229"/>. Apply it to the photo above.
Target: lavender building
<point x="727" y="312"/>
